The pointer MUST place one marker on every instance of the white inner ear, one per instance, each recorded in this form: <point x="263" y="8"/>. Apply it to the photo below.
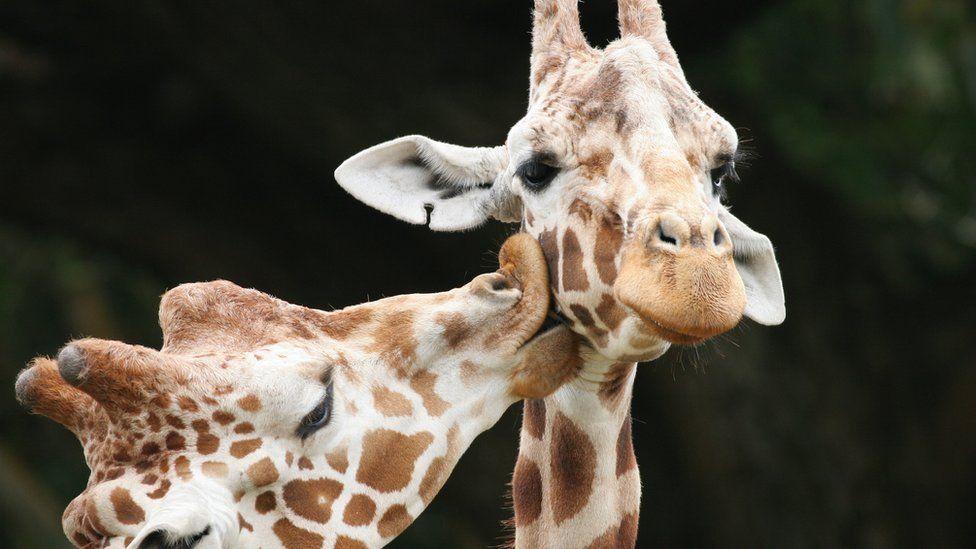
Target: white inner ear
<point x="408" y="176"/>
<point x="756" y="262"/>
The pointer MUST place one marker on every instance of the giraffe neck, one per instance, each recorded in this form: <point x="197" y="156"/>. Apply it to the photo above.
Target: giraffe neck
<point x="576" y="482"/>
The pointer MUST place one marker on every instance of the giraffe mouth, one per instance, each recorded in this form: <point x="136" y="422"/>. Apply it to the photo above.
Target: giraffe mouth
<point x="669" y="334"/>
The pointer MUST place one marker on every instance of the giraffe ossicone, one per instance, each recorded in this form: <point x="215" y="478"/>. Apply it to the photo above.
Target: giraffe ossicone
<point x="261" y="423"/>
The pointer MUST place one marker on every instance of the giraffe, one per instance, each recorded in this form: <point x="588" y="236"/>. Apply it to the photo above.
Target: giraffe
<point x="619" y="170"/>
<point x="261" y="423"/>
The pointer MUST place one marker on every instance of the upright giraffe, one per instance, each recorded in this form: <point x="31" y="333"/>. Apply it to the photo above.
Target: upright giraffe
<point x="619" y="170"/>
<point x="265" y="424"/>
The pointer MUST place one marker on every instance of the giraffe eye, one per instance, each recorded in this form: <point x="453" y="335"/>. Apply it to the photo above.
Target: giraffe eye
<point x="720" y="175"/>
<point x="536" y="174"/>
<point x="319" y="416"/>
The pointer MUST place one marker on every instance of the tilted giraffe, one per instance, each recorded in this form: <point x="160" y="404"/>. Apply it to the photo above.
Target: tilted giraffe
<point x="265" y="424"/>
<point x="619" y="170"/>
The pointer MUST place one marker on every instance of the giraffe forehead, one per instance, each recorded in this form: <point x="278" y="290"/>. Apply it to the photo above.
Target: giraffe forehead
<point x="625" y="98"/>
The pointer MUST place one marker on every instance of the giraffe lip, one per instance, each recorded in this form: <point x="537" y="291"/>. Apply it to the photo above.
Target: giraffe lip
<point x="670" y="334"/>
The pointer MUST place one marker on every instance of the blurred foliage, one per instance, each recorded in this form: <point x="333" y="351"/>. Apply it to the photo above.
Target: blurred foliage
<point x="150" y="143"/>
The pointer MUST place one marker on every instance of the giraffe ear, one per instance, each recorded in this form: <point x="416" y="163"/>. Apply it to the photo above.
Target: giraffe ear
<point x="756" y="263"/>
<point x="460" y="187"/>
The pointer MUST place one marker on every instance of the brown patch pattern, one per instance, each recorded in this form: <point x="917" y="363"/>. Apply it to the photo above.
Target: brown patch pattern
<point x="457" y="330"/>
<point x="214" y="469"/>
<point x="249" y="403"/>
<point x="550" y="249"/>
<point x="423" y="382"/>
<point x="526" y="491"/>
<point x="572" y="468"/>
<point x="621" y="536"/>
<point x="574" y="274"/>
<point x="343" y="542"/>
<point x="359" y="511"/>
<point x="338" y="459"/>
<point x="293" y="537"/>
<point x="394" y="341"/>
<point x="534" y="417"/>
<point x="263" y="472"/>
<point x="391" y="403"/>
<point x="388" y="458"/>
<point x="126" y="509"/>
<point x="609" y="239"/>
<point x="265" y="502"/>
<point x="394" y="521"/>
<point x="312" y="499"/>
<point x="626" y="460"/>
<point x="241" y="448"/>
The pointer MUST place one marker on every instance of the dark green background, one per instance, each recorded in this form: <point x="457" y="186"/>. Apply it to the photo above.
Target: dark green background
<point x="148" y="143"/>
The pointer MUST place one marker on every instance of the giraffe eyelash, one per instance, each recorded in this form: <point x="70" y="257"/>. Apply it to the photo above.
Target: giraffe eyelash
<point x="319" y="417"/>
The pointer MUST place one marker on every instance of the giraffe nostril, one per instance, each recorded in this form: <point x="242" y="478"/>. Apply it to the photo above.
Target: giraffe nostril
<point x="665" y="237"/>
<point x="500" y="284"/>
<point x="718" y="239"/>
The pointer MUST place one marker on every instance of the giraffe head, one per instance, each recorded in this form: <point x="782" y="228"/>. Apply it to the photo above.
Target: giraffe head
<point x="618" y="169"/>
<point x="262" y="423"/>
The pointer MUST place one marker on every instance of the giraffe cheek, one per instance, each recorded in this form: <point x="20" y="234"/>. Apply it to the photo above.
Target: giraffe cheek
<point x="312" y="499"/>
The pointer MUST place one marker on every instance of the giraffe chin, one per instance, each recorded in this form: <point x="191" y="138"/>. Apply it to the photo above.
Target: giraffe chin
<point x="656" y="329"/>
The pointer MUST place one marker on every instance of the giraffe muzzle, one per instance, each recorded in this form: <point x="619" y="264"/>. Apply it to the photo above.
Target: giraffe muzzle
<point x="681" y="280"/>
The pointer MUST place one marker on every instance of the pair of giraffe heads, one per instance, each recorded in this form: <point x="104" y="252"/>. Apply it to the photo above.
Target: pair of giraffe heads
<point x="262" y="422"/>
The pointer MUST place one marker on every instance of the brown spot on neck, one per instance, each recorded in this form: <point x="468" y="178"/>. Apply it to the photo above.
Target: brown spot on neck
<point x="615" y="384"/>
<point x="619" y="536"/>
<point x="626" y="460"/>
<point x="534" y="417"/>
<point x="526" y="491"/>
<point x="572" y="468"/>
